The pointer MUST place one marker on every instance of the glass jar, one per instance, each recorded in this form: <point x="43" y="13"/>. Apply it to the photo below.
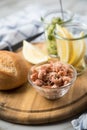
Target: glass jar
<point x="72" y="45"/>
<point x="50" y="20"/>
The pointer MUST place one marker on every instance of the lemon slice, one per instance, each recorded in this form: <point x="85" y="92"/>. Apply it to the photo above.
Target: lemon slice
<point x="64" y="48"/>
<point x="72" y="55"/>
<point x="79" y="47"/>
<point x="70" y="43"/>
<point x="33" y="54"/>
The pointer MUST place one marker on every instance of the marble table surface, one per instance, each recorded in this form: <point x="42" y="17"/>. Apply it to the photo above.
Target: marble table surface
<point x="8" y="7"/>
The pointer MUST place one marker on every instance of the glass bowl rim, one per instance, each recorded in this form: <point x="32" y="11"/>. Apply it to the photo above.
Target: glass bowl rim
<point x="64" y="86"/>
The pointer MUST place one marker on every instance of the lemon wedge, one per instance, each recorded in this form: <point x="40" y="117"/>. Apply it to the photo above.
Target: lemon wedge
<point x="33" y="54"/>
<point x="64" y="48"/>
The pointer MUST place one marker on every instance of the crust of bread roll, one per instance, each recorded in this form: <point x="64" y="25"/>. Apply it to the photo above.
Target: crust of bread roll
<point x="13" y="70"/>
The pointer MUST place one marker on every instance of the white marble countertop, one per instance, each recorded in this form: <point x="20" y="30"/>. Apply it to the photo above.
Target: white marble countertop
<point x="66" y="125"/>
<point x="8" y="7"/>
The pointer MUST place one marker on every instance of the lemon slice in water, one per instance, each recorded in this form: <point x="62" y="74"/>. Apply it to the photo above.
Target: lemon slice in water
<point x="64" y="48"/>
<point x="71" y="51"/>
<point x="79" y="48"/>
<point x="33" y="54"/>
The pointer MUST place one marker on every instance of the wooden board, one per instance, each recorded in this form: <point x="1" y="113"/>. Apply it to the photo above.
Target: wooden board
<point x="25" y="106"/>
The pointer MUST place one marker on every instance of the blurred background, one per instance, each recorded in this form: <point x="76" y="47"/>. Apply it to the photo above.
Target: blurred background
<point x="8" y="7"/>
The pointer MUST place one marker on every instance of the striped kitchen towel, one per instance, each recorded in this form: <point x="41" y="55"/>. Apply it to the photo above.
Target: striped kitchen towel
<point x="21" y="25"/>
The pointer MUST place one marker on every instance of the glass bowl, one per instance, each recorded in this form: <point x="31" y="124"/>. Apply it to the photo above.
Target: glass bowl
<point x="52" y="93"/>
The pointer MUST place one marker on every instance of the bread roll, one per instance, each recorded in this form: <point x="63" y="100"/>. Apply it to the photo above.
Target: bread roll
<point x="13" y="70"/>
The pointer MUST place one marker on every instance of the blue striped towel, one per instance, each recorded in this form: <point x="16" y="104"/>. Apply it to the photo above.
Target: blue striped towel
<point x="21" y="25"/>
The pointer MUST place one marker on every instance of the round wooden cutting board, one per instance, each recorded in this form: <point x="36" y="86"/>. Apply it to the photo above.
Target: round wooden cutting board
<point x="25" y="106"/>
